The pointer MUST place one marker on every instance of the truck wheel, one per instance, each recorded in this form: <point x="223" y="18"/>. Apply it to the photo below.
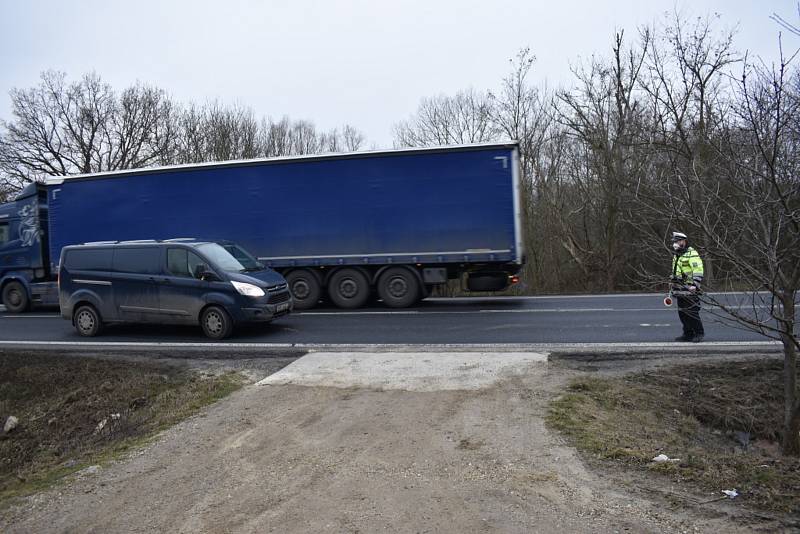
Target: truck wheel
<point x="399" y="287"/>
<point x="216" y="322"/>
<point x="15" y="298"/>
<point x="305" y="288"/>
<point x="348" y="288"/>
<point x="87" y="321"/>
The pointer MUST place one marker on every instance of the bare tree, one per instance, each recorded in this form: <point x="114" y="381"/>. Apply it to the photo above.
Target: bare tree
<point x="726" y="172"/>
<point x="191" y="140"/>
<point x="304" y="138"/>
<point x="277" y="137"/>
<point x="445" y="120"/>
<point x="230" y="132"/>
<point x="141" y="131"/>
<point x="686" y="70"/>
<point x="785" y="24"/>
<point x="524" y="113"/>
<point x="286" y="137"/>
<point x="688" y="104"/>
<point x="57" y="128"/>
<point x="760" y="235"/>
<point x="605" y="116"/>
<point x="62" y="128"/>
<point x="352" y="139"/>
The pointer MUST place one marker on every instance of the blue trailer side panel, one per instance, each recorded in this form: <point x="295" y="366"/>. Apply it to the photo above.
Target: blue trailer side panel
<point x="433" y="206"/>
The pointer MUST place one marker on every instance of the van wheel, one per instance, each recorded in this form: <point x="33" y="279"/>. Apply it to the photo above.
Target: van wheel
<point x="305" y="289"/>
<point x="87" y="321"/>
<point x="348" y="288"/>
<point x="399" y="287"/>
<point x="15" y="297"/>
<point x="216" y="322"/>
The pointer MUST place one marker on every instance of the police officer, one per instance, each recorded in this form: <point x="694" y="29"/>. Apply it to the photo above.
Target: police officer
<point x="687" y="269"/>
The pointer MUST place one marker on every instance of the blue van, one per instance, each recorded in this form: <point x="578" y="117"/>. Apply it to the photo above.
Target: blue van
<point x="166" y="282"/>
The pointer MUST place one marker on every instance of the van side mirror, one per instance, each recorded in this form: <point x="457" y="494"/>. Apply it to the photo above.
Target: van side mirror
<point x="202" y="272"/>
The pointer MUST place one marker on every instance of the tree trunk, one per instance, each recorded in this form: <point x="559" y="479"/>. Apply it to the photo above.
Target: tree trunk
<point x="791" y="419"/>
<point x="791" y="441"/>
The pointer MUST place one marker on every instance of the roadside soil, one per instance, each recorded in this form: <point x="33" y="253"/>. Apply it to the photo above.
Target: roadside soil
<point x="60" y="414"/>
<point x="290" y="458"/>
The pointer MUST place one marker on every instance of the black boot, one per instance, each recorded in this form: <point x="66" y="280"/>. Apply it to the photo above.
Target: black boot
<point x="697" y="338"/>
<point x="684" y="337"/>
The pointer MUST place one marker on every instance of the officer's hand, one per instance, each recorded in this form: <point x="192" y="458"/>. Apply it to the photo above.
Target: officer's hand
<point x="692" y="289"/>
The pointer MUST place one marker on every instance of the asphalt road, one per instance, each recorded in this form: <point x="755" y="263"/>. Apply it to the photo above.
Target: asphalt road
<point x="519" y="320"/>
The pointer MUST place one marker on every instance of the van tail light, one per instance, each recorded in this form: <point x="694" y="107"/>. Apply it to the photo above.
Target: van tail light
<point x="514" y="279"/>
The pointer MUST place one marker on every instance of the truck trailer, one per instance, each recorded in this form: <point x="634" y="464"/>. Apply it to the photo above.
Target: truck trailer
<point x="348" y="227"/>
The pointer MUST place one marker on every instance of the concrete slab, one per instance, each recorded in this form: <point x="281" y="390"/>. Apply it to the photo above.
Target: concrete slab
<point x="408" y="371"/>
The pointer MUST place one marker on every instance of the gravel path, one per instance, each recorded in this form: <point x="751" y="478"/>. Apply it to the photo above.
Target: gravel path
<point x="284" y="458"/>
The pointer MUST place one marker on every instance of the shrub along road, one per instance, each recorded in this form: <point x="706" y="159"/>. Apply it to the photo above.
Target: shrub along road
<point x="529" y="320"/>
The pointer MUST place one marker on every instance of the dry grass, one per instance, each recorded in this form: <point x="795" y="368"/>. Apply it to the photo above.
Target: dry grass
<point x="722" y="421"/>
<point x="75" y="412"/>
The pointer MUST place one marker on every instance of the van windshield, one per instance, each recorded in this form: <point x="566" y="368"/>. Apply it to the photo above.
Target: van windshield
<point x="242" y="256"/>
<point x="220" y="257"/>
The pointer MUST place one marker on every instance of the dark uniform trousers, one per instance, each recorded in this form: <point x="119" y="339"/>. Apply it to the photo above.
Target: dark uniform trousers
<point x="689" y="314"/>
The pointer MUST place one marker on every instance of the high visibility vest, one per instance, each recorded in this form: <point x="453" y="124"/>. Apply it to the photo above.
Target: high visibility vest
<point x="688" y="266"/>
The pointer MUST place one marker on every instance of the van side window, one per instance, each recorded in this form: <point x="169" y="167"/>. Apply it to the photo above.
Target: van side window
<point x="140" y="260"/>
<point x="4" y="233"/>
<point x="181" y="262"/>
<point x="88" y="260"/>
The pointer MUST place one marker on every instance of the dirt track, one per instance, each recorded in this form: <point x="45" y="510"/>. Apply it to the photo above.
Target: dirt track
<point x="287" y="458"/>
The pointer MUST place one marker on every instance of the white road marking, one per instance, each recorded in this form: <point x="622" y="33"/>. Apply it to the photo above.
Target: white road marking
<point x="399" y="312"/>
<point x="506" y="327"/>
<point x="597" y="295"/>
<point x="488" y="347"/>
<point x="547" y="310"/>
<point x="25" y="316"/>
<point x="444" y="312"/>
<point x="459" y="312"/>
<point x="469" y="312"/>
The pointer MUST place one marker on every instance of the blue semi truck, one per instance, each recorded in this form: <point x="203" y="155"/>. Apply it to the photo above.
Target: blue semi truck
<point x="351" y="228"/>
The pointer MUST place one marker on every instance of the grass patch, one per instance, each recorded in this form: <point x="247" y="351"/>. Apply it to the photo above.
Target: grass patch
<point x="723" y="421"/>
<point x="75" y="412"/>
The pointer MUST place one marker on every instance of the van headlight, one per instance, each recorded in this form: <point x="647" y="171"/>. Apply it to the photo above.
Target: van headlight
<point x="248" y="290"/>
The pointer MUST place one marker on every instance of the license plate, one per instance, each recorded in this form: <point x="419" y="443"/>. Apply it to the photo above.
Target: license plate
<point x="282" y="307"/>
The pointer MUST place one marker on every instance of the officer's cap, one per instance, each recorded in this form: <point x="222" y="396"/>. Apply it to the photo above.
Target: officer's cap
<point x="678" y="236"/>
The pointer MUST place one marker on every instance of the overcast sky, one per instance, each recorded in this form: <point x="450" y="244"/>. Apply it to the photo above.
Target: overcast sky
<point x="366" y="63"/>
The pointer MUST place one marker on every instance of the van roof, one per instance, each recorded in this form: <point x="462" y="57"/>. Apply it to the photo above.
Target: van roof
<point x="139" y="242"/>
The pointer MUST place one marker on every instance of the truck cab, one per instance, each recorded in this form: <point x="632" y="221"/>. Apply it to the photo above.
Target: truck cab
<point x="25" y="269"/>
